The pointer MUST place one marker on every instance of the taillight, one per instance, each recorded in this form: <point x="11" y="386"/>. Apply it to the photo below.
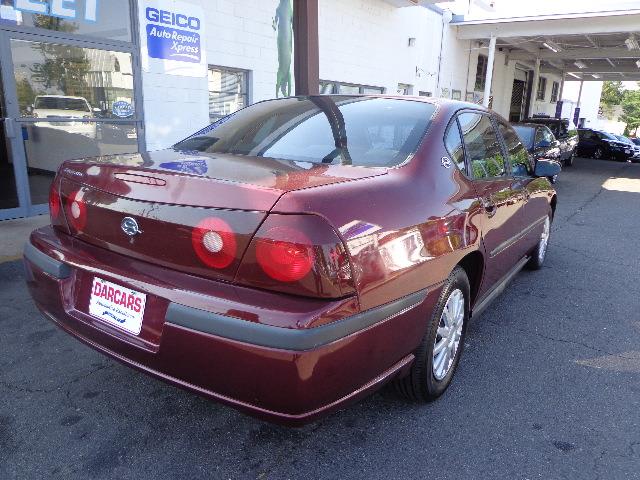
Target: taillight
<point x="54" y="203"/>
<point x="297" y="254"/>
<point x="285" y="254"/>
<point x="76" y="211"/>
<point x="214" y="242"/>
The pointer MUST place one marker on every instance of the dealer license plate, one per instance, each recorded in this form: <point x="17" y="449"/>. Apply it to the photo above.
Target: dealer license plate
<point x="116" y="305"/>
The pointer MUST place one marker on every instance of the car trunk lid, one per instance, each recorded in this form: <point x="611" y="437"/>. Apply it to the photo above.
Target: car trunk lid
<point x="170" y="194"/>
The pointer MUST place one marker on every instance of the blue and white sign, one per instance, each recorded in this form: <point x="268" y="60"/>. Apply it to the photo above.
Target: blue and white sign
<point x="122" y="109"/>
<point x="172" y="36"/>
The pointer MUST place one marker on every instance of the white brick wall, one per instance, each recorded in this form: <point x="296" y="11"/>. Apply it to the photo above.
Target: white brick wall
<point x="239" y="35"/>
<point x="361" y="41"/>
<point x="366" y="42"/>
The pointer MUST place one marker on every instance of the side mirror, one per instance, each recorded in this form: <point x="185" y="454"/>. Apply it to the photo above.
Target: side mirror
<point x="30" y="109"/>
<point x="543" y="144"/>
<point x="96" y="110"/>
<point x="547" y="168"/>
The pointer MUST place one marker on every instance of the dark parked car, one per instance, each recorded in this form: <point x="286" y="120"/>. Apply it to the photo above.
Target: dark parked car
<point x="540" y="142"/>
<point x="567" y="139"/>
<point x="298" y="254"/>
<point x="598" y="144"/>
<point x="635" y="148"/>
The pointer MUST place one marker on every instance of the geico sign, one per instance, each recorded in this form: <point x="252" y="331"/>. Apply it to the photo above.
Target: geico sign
<point x="174" y="19"/>
<point x="60" y="8"/>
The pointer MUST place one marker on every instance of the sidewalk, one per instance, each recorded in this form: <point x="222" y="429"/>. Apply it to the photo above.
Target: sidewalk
<point x="14" y="233"/>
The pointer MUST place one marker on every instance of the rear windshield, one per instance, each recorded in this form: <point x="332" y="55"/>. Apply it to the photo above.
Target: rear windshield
<point x="525" y="134"/>
<point x="362" y="131"/>
<point x="62" y="103"/>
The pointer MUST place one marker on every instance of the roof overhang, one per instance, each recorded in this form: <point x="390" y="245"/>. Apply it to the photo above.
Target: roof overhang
<point x="414" y="3"/>
<point x="585" y="46"/>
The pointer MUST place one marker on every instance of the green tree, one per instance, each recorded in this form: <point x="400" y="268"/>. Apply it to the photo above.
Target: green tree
<point x="631" y="109"/>
<point x="26" y="94"/>
<point x="612" y="93"/>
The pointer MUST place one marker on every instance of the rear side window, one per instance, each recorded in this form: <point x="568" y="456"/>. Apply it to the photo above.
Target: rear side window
<point x="548" y="135"/>
<point x="518" y="155"/>
<point x="526" y="134"/>
<point x="453" y="142"/>
<point x="363" y="131"/>
<point x="483" y="147"/>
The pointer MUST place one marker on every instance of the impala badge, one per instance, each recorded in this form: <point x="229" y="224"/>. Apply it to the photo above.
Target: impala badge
<point x="130" y="226"/>
<point x="446" y="163"/>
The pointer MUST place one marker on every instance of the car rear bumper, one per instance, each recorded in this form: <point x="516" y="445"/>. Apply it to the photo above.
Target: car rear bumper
<point x="275" y="356"/>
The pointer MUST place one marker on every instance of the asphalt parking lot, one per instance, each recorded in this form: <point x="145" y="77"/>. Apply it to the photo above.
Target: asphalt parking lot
<point x="548" y="387"/>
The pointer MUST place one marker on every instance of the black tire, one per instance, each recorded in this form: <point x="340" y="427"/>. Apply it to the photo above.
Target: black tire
<point x="539" y="254"/>
<point x="598" y="153"/>
<point x="421" y="384"/>
<point x="569" y="161"/>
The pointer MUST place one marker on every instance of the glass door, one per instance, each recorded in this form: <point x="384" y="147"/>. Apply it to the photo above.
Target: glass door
<point x="13" y="193"/>
<point x="66" y="100"/>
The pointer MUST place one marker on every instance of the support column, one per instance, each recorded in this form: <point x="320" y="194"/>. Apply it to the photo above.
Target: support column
<point x="534" y="88"/>
<point x="489" y="76"/>
<point x="561" y="92"/>
<point x="306" y="61"/>
<point x="560" y="103"/>
<point x="578" y="105"/>
<point x="580" y="92"/>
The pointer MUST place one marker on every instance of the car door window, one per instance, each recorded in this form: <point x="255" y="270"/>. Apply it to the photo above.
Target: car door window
<point x="484" y="153"/>
<point x="586" y="135"/>
<point x="539" y="137"/>
<point x="517" y="154"/>
<point x="547" y="135"/>
<point x="453" y="142"/>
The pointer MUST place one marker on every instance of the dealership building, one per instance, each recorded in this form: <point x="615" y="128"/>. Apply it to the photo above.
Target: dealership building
<point x="98" y="77"/>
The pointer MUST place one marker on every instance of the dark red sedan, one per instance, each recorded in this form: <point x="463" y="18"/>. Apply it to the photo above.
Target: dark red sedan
<point x="299" y="253"/>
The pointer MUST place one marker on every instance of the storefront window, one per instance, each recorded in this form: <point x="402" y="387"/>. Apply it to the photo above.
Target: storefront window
<point x="48" y="144"/>
<point x="73" y="102"/>
<point x="327" y="87"/>
<point x="63" y="81"/>
<point x="481" y="72"/>
<point x="97" y="18"/>
<point x="227" y="91"/>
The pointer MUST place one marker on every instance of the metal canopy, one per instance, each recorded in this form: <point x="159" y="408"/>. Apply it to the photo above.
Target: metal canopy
<point x="590" y="47"/>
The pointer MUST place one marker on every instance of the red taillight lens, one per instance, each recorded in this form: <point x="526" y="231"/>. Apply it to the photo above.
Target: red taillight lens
<point x="297" y="254"/>
<point x="287" y="259"/>
<point x="76" y="211"/>
<point x="214" y="242"/>
<point x="54" y="203"/>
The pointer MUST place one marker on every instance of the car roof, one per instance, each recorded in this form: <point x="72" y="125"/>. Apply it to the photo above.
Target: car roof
<point x="60" y="96"/>
<point x="527" y="124"/>
<point x="546" y="119"/>
<point x="438" y="101"/>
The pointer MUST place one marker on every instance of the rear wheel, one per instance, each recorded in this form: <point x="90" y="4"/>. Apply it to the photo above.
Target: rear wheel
<point x="540" y="252"/>
<point x="569" y="161"/>
<point x="598" y="153"/>
<point x="439" y="353"/>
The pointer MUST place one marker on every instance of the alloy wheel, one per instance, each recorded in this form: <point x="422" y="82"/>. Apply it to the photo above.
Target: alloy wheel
<point x="449" y="334"/>
<point x="544" y="240"/>
<point x="597" y="154"/>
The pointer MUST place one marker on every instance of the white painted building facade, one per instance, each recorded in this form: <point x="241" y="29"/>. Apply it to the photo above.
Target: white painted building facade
<point x="145" y="74"/>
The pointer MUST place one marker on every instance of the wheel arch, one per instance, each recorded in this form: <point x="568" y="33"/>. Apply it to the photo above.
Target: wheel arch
<point x="554" y="203"/>
<point x="473" y="265"/>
